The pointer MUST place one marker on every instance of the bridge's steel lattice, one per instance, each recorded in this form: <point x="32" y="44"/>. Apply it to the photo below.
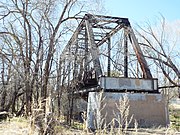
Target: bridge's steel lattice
<point x="80" y="60"/>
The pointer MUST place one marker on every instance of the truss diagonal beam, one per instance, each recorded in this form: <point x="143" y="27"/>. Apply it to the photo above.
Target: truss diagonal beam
<point x="139" y="54"/>
<point x="93" y="48"/>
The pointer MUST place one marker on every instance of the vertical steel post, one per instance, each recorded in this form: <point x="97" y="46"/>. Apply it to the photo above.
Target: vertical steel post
<point x="75" y="68"/>
<point x="109" y="58"/>
<point x="86" y="52"/>
<point x="179" y="86"/>
<point x="125" y="55"/>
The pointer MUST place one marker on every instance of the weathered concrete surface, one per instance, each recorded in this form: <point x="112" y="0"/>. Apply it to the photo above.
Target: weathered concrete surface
<point x="148" y="109"/>
<point x="120" y="83"/>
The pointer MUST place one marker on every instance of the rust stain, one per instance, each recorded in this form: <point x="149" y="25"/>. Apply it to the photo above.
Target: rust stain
<point x="137" y="82"/>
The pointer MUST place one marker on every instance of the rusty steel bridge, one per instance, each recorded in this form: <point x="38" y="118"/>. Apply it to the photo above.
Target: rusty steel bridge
<point x="80" y="60"/>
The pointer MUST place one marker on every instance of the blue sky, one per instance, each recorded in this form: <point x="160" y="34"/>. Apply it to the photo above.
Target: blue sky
<point x="144" y="10"/>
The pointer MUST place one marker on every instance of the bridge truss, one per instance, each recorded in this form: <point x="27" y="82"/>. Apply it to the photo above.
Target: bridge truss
<point x="80" y="60"/>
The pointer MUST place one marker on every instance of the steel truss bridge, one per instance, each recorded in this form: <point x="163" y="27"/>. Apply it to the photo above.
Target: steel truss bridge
<point x="80" y="60"/>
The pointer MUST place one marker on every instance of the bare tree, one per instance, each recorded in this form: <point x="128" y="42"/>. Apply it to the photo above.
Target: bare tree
<point x="161" y="47"/>
<point x="32" y="32"/>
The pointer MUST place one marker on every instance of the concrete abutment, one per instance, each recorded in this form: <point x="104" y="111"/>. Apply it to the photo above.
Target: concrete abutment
<point x="149" y="110"/>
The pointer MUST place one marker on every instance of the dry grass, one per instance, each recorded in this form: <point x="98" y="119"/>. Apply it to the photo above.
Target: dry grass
<point x="21" y="126"/>
<point x="17" y="126"/>
<point x="175" y="116"/>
